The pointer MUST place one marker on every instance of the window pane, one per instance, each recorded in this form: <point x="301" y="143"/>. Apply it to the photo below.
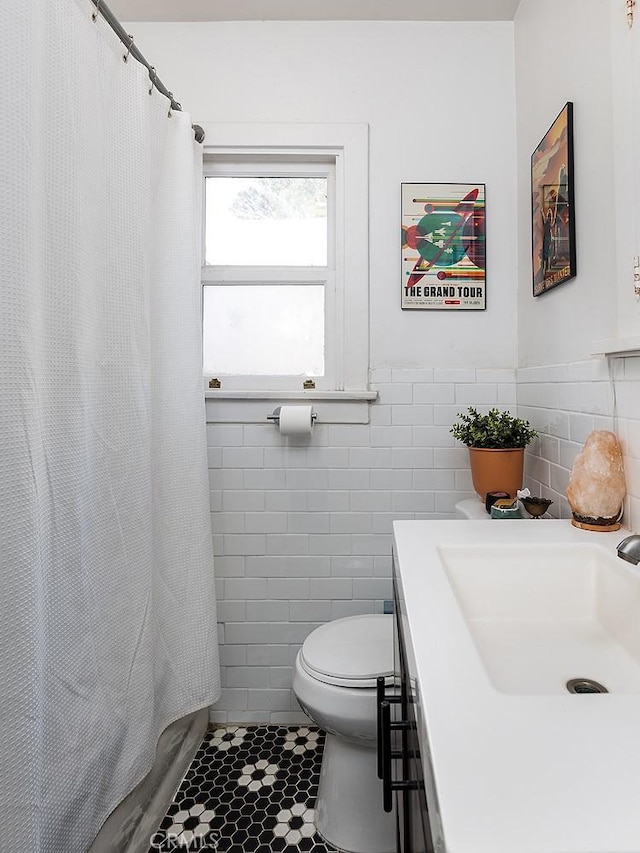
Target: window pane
<point x="264" y="330"/>
<point x="266" y="221"/>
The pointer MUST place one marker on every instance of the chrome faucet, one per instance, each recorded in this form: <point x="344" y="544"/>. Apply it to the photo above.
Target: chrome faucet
<point x="629" y="549"/>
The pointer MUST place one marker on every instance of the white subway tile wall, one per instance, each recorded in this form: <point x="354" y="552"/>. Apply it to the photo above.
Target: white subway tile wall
<point x="565" y="403"/>
<point x="302" y="533"/>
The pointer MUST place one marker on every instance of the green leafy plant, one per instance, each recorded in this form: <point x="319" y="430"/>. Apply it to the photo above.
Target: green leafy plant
<point x="495" y="431"/>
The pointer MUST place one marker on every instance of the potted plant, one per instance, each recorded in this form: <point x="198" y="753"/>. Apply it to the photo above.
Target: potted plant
<point x="496" y="443"/>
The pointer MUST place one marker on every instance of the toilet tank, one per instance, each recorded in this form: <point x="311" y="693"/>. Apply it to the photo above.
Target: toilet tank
<point x="472" y="508"/>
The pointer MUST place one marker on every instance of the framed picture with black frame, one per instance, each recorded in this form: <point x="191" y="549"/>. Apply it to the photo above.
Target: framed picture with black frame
<point x="553" y="226"/>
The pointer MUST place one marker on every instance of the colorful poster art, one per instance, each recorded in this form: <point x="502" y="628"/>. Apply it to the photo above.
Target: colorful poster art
<point x="552" y="206"/>
<point x="443" y="247"/>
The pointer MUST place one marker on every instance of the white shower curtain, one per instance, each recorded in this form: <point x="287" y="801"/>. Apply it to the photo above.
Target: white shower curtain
<point x="107" y="609"/>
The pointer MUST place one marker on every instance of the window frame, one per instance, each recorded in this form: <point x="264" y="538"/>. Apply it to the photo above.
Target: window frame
<point x="346" y="276"/>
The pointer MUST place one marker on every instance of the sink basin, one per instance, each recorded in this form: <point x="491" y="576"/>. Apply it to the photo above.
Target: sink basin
<point x="540" y="615"/>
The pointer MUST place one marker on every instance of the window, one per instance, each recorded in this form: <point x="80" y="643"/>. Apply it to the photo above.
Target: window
<point x="269" y="268"/>
<point x="285" y="259"/>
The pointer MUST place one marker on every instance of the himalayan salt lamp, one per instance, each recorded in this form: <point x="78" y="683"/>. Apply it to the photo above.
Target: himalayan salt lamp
<point x="596" y="486"/>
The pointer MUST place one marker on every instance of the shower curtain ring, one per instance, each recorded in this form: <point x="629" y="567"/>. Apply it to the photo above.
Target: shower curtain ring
<point x="152" y="76"/>
<point x="96" y="12"/>
<point x="126" y="56"/>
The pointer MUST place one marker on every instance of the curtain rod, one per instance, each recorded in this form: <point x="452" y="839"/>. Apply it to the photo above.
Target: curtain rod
<point x="128" y="42"/>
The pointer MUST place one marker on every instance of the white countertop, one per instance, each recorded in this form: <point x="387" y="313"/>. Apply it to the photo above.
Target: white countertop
<point x="513" y="773"/>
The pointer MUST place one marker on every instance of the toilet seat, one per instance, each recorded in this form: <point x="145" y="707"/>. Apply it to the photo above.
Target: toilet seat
<point x="350" y="652"/>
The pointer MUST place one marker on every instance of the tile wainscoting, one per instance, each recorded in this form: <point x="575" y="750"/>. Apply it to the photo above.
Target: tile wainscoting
<point x="302" y="532"/>
<point x="565" y="403"/>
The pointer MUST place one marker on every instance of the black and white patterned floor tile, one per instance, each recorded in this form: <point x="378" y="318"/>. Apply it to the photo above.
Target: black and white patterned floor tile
<point x="249" y="790"/>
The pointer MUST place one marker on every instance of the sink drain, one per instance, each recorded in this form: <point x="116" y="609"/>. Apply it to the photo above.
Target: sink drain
<point x="585" y="685"/>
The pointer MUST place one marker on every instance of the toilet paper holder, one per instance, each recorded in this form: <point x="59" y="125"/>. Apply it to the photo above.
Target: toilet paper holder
<point x="274" y="417"/>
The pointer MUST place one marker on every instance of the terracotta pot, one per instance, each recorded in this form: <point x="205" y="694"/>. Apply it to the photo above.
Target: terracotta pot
<point x="496" y="470"/>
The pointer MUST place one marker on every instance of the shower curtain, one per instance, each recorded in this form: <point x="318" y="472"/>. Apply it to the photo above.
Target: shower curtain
<point x="107" y="609"/>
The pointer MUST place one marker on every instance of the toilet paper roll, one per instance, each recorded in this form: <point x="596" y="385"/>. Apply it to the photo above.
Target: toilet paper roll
<point x="296" y="420"/>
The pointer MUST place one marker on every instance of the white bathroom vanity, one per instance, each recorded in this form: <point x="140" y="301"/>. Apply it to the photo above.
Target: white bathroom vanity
<point x="497" y="618"/>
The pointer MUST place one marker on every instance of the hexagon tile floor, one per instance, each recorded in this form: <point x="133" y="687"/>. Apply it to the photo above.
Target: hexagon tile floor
<point x="249" y="790"/>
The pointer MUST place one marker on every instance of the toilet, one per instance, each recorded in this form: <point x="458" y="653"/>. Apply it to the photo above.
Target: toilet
<point x="334" y="681"/>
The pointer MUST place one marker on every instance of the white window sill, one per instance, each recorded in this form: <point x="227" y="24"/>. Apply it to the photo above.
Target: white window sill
<point x="252" y="407"/>
<point x="221" y="394"/>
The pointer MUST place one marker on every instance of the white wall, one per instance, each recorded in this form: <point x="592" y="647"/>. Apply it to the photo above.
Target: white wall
<point x="625" y="49"/>
<point x="303" y="534"/>
<point x="564" y="391"/>
<point x="562" y="54"/>
<point x="439" y="99"/>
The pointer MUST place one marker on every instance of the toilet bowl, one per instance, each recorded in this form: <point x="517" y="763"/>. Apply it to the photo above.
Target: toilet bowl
<point x="334" y="681"/>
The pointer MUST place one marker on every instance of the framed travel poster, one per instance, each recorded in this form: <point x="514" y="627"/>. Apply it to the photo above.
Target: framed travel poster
<point x="553" y="224"/>
<point x="443" y="247"/>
